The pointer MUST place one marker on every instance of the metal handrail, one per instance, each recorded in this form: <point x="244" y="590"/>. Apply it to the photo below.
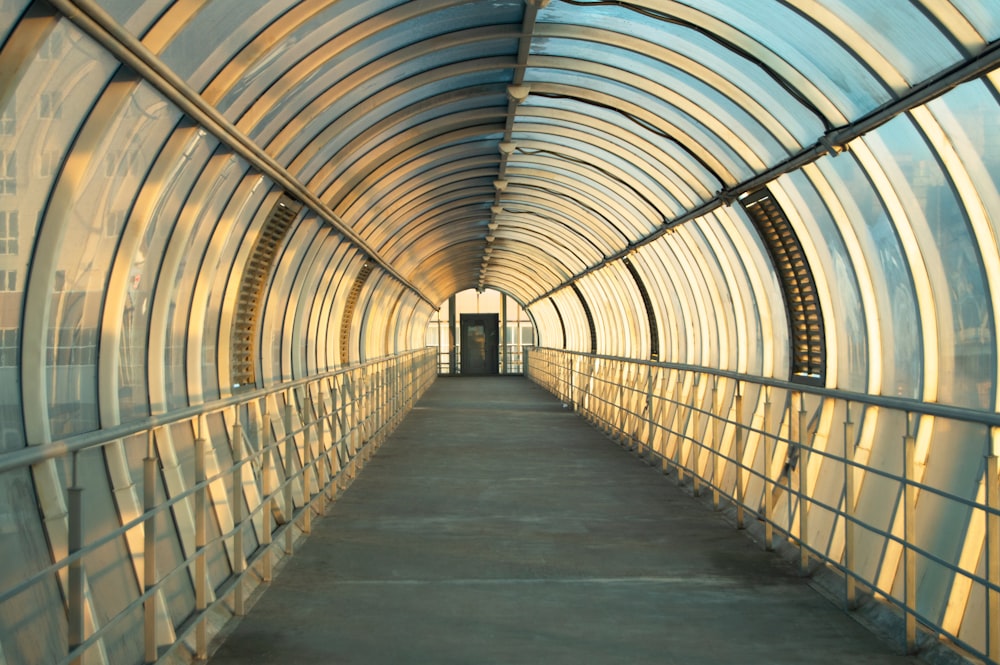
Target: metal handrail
<point x="36" y="453"/>
<point x="617" y="394"/>
<point x="915" y="406"/>
<point x="350" y="433"/>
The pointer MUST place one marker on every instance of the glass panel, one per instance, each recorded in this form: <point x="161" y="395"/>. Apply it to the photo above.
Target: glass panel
<point x="10" y="11"/>
<point x="328" y="335"/>
<point x="708" y="256"/>
<point x="614" y="168"/>
<point x="136" y="15"/>
<point x="896" y="307"/>
<point x="146" y="122"/>
<point x="312" y="38"/>
<point x="219" y="29"/>
<point x="717" y="117"/>
<point x="226" y="240"/>
<point x="187" y="249"/>
<point x="952" y="260"/>
<point x="747" y="352"/>
<point x="38" y="611"/>
<point x="969" y="117"/>
<point x="58" y="89"/>
<point x="279" y="307"/>
<point x="902" y="33"/>
<point x="982" y="15"/>
<point x="813" y="52"/>
<point x="845" y="318"/>
<point x="298" y="133"/>
<point x="724" y="64"/>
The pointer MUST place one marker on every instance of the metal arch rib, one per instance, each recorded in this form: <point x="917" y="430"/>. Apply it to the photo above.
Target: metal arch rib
<point x="921" y="93"/>
<point x="97" y="23"/>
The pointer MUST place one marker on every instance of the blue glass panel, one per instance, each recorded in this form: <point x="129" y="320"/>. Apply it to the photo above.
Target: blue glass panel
<point x="57" y="93"/>
<point x="951" y="257"/>
<point x="360" y="94"/>
<point x="9" y="14"/>
<point x="902" y="33"/>
<point x="969" y="117"/>
<point x="136" y="15"/>
<point x="219" y="29"/>
<point x="896" y="306"/>
<point x="759" y="141"/>
<point x="187" y="250"/>
<point x="845" y="320"/>
<point x="983" y="15"/>
<point x="807" y="48"/>
<point x="747" y="75"/>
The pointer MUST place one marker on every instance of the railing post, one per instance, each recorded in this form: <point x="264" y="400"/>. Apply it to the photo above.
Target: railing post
<point x="769" y="446"/>
<point x="239" y="559"/>
<point x="717" y="425"/>
<point x="803" y="441"/>
<point x="740" y="499"/>
<point x="570" y="382"/>
<point x="200" y="541"/>
<point x="909" y="537"/>
<point x="149" y="548"/>
<point x="665" y="410"/>
<point x="851" y="590"/>
<point x="679" y="421"/>
<point x="354" y="422"/>
<point x="993" y="546"/>
<point x="75" y="595"/>
<point x="307" y="466"/>
<point x="290" y="455"/>
<point x="695" y="443"/>
<point x="323" y="468"/>
<point x="266" y="489"/>
<point x="646" y="444"/>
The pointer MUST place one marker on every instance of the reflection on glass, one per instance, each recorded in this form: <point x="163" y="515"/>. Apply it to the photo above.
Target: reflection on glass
<point x="950" y="255"/>
<point x="969" y="117"/>
<point x="897" y="309"/>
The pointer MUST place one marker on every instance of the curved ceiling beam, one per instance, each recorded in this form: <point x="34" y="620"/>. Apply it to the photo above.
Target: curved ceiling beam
<point x="97" y="23"/>
<point x="320" y="57"/>
<point x="657" y="126"/>
<point x="790" y="79"/>
<point x="755" y="145"/>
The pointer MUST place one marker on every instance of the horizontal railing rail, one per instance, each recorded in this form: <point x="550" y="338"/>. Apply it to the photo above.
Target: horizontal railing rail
<point x="309" y="438"/>
<point x="843" y="476"/>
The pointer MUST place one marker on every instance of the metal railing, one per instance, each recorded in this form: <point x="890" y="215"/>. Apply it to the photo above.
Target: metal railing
<point x="264" y="463"/>
<point x="847" y="478"/>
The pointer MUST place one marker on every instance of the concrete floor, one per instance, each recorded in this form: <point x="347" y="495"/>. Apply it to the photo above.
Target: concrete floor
<point x="497" y="527"/>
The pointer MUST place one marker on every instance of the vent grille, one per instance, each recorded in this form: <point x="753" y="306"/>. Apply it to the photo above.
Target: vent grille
<point x="805" y="318"/>
<point x="243" y="347"/>
<point x="349" y="307"/>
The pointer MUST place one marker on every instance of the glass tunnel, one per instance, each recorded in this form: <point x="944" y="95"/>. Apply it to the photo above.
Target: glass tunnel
<point x="758" y="242"/>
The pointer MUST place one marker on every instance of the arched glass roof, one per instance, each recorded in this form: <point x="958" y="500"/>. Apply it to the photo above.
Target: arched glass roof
<point x="202" y="198"/>
<point x="582" y="126"/>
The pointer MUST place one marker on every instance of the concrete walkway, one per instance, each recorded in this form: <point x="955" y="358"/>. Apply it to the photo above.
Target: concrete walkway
<point x="497" y="527"/>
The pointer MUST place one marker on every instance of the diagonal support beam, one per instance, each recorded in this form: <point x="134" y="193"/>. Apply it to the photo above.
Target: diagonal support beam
<point x="102" y="27"/>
